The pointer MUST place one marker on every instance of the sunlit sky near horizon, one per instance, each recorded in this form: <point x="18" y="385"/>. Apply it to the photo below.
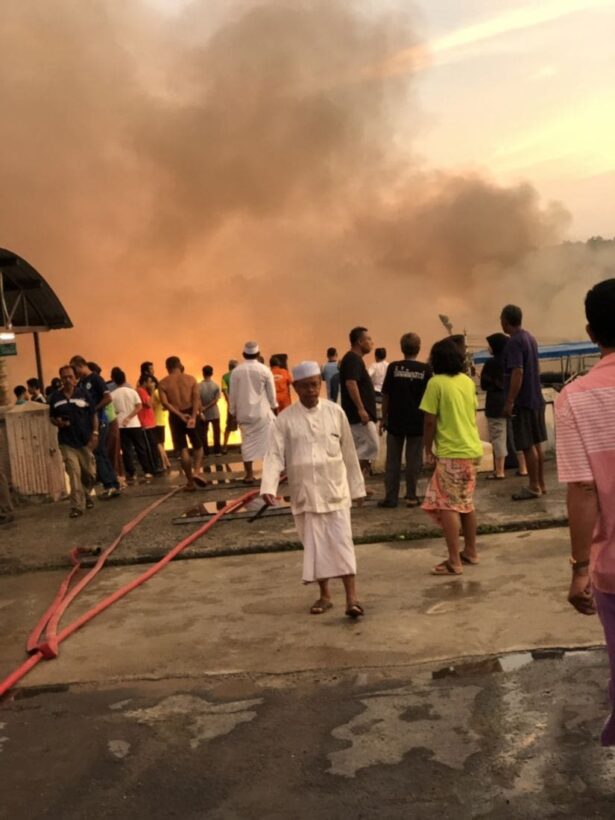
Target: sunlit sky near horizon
<point x="517" y="90"/>
<point x="525" y="91"/>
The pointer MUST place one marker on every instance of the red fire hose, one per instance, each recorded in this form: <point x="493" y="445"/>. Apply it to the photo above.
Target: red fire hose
<point x="48" y="649"/>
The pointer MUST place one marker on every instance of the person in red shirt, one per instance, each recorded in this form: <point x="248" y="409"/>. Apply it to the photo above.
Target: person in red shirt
<point x="145" y="388"/>
<point x="282" y="381"/>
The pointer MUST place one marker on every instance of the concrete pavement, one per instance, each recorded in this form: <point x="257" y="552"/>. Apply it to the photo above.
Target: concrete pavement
<point x="42" y="534"/>
<point x="377" y="743"/>
<point x="211" y="693"/>
<point x="248" y="614"/>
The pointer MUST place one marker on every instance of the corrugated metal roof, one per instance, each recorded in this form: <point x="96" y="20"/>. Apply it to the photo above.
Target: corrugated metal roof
<point x="31" y="304"/>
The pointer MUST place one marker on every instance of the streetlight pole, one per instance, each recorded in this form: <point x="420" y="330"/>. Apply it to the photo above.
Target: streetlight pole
<point x="39" y="361"/>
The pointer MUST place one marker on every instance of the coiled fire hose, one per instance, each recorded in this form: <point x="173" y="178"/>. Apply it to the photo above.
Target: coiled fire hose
<point x="48" y="647"/>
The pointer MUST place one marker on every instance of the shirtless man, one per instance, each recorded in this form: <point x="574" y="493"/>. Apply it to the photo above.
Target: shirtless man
<point x="179" y="394"/>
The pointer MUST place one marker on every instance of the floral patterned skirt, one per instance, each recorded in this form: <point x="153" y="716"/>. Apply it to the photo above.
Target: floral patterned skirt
<point x="451" y="486"/>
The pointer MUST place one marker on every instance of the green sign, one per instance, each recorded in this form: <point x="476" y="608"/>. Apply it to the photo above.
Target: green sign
<point x="8" y="349"/>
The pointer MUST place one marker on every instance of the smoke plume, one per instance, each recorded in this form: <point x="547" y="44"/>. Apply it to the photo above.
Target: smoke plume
<point x="187" y="181"/>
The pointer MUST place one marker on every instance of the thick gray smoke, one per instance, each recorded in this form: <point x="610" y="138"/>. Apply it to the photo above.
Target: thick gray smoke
<point x="245" y="170"/>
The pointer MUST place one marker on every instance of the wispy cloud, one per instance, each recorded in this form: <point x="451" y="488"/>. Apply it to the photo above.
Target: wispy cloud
<point x="471" y="39"/>
<point x="578" y="142"/>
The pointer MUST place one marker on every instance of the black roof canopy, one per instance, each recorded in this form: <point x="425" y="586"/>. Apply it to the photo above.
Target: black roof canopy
<point x="30" y="305"/>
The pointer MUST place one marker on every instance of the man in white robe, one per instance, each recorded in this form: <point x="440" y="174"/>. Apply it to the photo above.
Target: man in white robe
<point x="311" y="440"/>
<point x="252" y="401"/>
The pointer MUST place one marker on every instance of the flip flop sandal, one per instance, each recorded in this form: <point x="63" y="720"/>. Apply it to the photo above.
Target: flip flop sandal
<point x="320" y="606"/>
<point x="494" y="477"/>
<point x="446" y="568"/>
<point x="412" y="502"/>
<point x="355" y="611"/>
<point x="525" y="495"/>
<point x="248" y="481"/>
<point x="472" y="562"/>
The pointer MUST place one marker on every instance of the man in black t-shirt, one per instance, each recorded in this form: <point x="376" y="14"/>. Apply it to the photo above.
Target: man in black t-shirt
<point x="72" y="411"/>
<point x="402" y="392"/>
<point x="358" y="397"/>
<point x="101" y="397"/>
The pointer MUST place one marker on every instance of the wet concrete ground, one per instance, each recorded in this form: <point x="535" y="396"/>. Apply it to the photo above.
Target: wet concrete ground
<point x="42" y="534"/>
<point x="211" y="693"/>
<point x="249" y="614"/>
<point x="360" y="744"/>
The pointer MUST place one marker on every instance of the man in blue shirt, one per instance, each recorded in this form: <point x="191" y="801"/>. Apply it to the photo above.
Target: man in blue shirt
<point x="72" y="411"/>
<point x="524" y="399"/>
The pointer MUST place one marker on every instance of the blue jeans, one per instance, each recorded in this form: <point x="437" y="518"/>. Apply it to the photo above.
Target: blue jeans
<point x="104" y="469"/>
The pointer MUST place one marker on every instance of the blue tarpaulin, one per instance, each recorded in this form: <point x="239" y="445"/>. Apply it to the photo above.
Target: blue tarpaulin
<point x="561" y="351"/>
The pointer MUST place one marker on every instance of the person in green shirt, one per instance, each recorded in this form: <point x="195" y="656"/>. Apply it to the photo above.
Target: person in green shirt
<point x="453" y="447"/>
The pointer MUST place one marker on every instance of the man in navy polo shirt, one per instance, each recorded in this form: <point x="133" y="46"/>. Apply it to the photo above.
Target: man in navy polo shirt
<point x="72" y="411"/>
<point x="101" y="397"/>
<point x="524" y="399"/>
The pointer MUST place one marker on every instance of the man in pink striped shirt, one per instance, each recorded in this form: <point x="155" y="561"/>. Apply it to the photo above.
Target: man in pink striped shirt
<point x="585" y="418"/>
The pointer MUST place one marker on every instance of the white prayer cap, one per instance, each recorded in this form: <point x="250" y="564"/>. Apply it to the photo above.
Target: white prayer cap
<point x="251" y="348"/>
<point x="305" y="370"/>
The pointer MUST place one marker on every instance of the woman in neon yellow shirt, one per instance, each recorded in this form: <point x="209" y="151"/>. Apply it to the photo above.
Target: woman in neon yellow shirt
<point x="453" y="445"/>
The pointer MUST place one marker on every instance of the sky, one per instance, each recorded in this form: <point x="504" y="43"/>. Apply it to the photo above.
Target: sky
<point x="189" y="175"/>
<point x="519" y="90"/>
<point x="524" y="91"/>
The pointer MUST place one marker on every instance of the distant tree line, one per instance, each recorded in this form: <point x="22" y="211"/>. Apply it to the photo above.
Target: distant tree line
<point x="595" y="243"/>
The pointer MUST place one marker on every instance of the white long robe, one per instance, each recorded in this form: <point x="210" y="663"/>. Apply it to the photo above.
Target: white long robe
<point x="251" y="400"/>
<point x="316" y="449"/>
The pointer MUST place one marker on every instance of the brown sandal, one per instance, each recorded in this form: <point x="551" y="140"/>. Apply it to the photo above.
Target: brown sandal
<point x="446" y="568"/>
<point x="320" y="606"/>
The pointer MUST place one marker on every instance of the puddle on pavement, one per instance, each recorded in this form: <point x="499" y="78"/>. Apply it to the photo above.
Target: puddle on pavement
<point x="506" y="663"/>
<point x="458" y="588"/>
<point x="45" y="689"/>
<point x="514" y="661"/>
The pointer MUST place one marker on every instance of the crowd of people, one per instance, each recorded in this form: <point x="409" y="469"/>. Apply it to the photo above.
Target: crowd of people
<point x="312" y="442"/>
<point x="113" y="433"/>
<point x="108" y="430"/>
<point x="428" y="412"/>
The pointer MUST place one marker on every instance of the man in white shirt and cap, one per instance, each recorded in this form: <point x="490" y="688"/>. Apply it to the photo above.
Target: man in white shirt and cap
<point x="252" y="401"/>
<point x="312" y="442"/>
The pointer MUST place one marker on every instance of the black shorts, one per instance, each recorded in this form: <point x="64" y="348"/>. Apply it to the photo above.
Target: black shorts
<point x="180" y="432"/>
<point x="529" y="427"/>
<point x="160" y="433"/>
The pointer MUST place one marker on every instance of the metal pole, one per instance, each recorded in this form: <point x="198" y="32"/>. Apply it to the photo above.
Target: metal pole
<point x="39" y="362"/>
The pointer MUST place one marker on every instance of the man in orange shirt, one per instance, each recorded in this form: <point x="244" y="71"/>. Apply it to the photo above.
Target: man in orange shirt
<point x="282" y="381"/>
